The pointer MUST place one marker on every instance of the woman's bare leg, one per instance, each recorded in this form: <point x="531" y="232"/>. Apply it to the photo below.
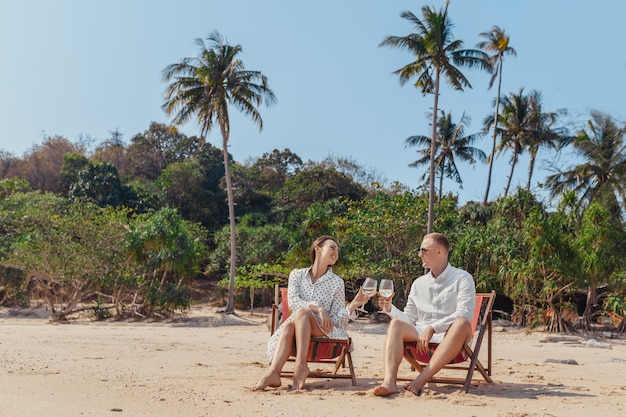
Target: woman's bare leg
<point x="306" y="326"/>
<point x="271" y="378"/>
<point x="393" y="351"/>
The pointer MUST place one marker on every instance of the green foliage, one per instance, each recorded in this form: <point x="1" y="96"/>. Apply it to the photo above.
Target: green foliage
<point x="166" y="246"/>
<point x="599" y="243"/>
<point x="100" y="184"/>
<point x="380" y="236"/>
<point x="152" y="151"/>
<point x="73" y="164"/>
<point x="257" y="183"/>
<point x="64" y="249"/>
<point x="615" y="303"/>
<point x="249" y="192"/>
<point x="169" y="298"/>
<point x="262" y="275"/>
<point x="259" y="243"/>
<point x="89" y="251"/>
<point x="13" y="185"/>
<point x="601" y="174"/>
<point x="451" y="145"/>
<point x="183" y="186"/>
<point x="316" y="184"/>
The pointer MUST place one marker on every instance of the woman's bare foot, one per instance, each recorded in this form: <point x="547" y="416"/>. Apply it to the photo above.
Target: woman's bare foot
<point x="383" y="390"/>
<point x="299" y="377"/>
<point x="411" y="388"/>
<point x="270" y="380"/>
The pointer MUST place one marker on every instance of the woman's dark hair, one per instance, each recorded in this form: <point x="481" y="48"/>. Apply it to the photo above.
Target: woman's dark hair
<point x="318" y="242"/>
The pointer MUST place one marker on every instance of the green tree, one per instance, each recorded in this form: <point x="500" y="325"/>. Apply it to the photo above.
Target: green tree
<point x="170" y="251"/>
<point x="12" y="186"/>
<point x="205" y="86"/>
<point x="259" y="244"/>
<point x="437" y="55"/>
<point x="311" y="185"/>
<point x="275" y="167"/>
<point x="452" y="145"/>
<point x="250" y="192"/>
<point x="497" y="43"/>
<point x="100" y="183"/>
<point x="601" y="176"/>
<point x="150" y="152"/>
<point x="258" y="181"/>
<point x="599" y="243"/>
<point x="522" y="126"/>
<point x="543" y="134"/>
<point x="262" y="253"/>
<point x="183" y="186"/>
<point x="67" y="252"/>
<point x="547" y="237"/>
<point x="489" y="244"/>
<point x="379" y="237"/>
<point x="369" y="178"/>
<point x="73" y="164"/>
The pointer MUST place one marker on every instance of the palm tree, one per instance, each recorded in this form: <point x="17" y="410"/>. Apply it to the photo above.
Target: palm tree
<point x="543" y="132"/>
<point x="498" y="43"/>
<point x="204" y="87"/>
<point x="436" y="54"/>
<point x="451" y="145"/>
<point x="515" y="125"/>
<point x="601" y="177"/>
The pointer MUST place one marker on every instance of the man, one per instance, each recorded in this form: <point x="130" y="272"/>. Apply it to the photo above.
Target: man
<point x="439" y="309"/>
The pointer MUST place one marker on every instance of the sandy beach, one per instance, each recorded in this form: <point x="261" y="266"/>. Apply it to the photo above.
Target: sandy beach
<point x="205" y="363"/>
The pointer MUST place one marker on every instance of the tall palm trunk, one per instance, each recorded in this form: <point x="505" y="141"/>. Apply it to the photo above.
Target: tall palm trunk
<point x="440" y="187"/>
<point x="531" y="168"/>
<point x="508" y="182"/>
<point x="230" y="305"/>
<point x="433" y="143"/>
<point x="495" y="132"/>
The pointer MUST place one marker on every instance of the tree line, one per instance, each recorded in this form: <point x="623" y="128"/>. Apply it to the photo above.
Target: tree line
<point x="126" y="236"/>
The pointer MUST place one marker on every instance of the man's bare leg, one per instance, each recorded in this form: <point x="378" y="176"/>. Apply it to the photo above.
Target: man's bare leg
<point x="271" y="378"/>
<point x="393" y="351"/>
<point x="459" y="332"/>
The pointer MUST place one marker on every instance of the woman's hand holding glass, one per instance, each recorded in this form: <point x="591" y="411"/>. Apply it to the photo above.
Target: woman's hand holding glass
<point x="369" y="289"/>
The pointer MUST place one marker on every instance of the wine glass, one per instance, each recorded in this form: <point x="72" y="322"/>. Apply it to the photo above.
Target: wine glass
<point x="369" y="289"/>
<point x="385" y="289"/>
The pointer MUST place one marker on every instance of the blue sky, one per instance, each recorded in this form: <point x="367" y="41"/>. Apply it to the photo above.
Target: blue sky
<point x="86" y="67"/>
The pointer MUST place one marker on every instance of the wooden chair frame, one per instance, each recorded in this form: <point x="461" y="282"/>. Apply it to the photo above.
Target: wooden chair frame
<point x="481" y="325"/>
<point x="339" y="347"/>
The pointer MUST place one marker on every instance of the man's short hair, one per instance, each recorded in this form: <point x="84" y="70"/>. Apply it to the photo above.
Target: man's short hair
<point x="440" y="239"/>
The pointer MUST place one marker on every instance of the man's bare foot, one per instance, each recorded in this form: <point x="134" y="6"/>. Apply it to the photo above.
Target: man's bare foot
<point x="383" y="390"/>
<point x="299" y="377"/>
<point x="412" y="389"/>
<point x="267" y="381"/>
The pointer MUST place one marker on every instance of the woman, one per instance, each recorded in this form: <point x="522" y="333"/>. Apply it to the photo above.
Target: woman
<point x="316" y="297"/>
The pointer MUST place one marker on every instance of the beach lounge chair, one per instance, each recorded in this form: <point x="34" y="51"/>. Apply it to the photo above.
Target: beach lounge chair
<point x="322" y="350"/>
<point x="481" y="324"/>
